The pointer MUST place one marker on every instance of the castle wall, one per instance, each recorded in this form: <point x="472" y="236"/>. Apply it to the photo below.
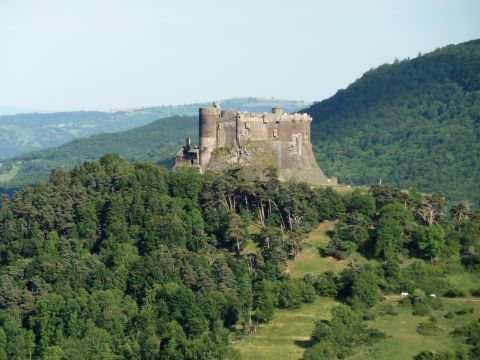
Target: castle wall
<point x="259" y="140"/>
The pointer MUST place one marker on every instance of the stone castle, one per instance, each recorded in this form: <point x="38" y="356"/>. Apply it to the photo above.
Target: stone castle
<point x="231" y="139"/>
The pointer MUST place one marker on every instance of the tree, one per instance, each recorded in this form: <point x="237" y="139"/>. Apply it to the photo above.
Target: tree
<point x="362" y="203"/>
<point x="326" y="284"/>
<point x="430" y="240"/>
<point x="459" y="212"/>
<point x="236" y="234"/>
<point x="388" y="238"/>
<point x="365" y="290"/>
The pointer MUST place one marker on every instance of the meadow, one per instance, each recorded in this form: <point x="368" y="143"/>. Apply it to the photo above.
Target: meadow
<point x="404" y="341"/>
<point x="286" y="336"/>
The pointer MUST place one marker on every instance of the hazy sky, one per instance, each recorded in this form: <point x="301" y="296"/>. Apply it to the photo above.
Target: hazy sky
<point x="100" y="54"/>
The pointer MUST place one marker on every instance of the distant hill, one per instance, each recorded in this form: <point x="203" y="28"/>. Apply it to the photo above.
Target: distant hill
<point x="414" y="123"/>
<point x="157" y="141"/>
<point x="27" y="132"/>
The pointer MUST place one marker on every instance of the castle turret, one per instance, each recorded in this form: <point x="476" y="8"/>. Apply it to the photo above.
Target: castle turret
<point x="208" y="132"/>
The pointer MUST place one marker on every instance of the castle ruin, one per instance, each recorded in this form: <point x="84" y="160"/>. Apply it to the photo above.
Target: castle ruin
<point x="254" y="141"/>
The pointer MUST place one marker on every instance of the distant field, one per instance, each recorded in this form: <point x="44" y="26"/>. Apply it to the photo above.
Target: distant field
<point x="285" y="337"/>
<point x="11" y="174"/>
<point x="405" y="342"/>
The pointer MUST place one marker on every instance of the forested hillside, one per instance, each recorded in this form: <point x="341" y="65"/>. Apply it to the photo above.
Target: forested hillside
<point x="157" y="141"/>
<point x="114" y="260"/>
<point x="27" y="132"/>
<point x="414" y="123"/>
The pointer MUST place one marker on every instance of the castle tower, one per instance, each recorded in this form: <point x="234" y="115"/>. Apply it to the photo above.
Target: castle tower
<point x="208" y="132"/>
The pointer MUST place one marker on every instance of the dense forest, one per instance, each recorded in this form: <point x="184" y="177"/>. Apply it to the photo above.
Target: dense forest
<point x="129" y="260"/>
<point x="414" y="123"/>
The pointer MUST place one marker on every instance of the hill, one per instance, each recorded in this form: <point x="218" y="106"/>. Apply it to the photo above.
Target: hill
<point x="413" y="123"/>
<point x="27" y="132"/>
<point x="157" y="141"/>
<point x="119" y="260"/>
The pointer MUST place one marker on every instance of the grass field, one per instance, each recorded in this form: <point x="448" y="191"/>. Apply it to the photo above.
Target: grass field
<point x="11" y="174"/>
<point x="285" y="337"/>
<point x="404" y="341"/>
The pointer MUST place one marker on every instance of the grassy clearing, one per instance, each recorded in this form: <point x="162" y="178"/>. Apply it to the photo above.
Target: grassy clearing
<point x="311" y="260"/>
<point x="404" y="341"/>
<point x="286" y="336"/>
<point x="11" y="174"/>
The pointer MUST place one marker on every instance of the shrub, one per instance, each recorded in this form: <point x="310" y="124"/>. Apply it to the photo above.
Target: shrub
<point x="436" y="304"/>
<point x="386" y="309"/>
<point x="421" y="309"/>
<point x="428" y="328"/>
<point x="449" y="315"/>
<point x="465" y="311"/>
<point x="405" y="302"/>
<point x="475" y="292"/>
<point x="370" y="336"/>
<point x="320" y="351"/>
<point x="368" y="316"/>
<point x="428" y="355"/>
<point x="308" y="292"/>
<point x="322" y="332"/>
<point x="455" y="292"/>
<point x="325" y="285"/>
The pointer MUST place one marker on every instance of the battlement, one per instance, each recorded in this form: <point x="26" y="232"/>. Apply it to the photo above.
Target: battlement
<point x="273" y="117"/>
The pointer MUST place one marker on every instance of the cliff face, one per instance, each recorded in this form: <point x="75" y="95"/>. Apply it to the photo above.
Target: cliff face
<point x="255" y="156"/>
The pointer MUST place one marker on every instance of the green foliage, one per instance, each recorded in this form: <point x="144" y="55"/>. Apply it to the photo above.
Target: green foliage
<point x="326" y="284"/>
<point x="388" y="240"/>
<point x="338" y="337"/>
<point x="472" y="333"/>
<point x="428" y="328"/>
<point x="387" y="309"/>
<point x="129" y="260"/>
<point x="348" y="235"/>
<point x="116" y="259"/>
<point x="430" y="240"/>
<point x="413" y="123"/>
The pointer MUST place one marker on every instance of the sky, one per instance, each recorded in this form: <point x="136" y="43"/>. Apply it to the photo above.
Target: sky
<point x="111" y="54"/>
